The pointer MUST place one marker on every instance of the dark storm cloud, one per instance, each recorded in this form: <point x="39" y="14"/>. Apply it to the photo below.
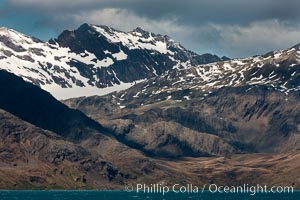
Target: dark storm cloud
<point x="230" y="27"/>
<point x="187" y="11"/>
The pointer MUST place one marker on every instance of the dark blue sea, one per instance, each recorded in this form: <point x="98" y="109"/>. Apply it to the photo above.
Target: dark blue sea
<point x="121" y="195"/>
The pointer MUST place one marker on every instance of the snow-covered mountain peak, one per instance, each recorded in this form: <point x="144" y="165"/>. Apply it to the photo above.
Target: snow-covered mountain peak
<point x="277" y="70"/>
<point x="140" y="32"/>
<point x="93" y="60"/>
<point x="139" y="29"/>
<point x="137" y="39"/>
<point x="16" y="37"/>
<point x="7" y="31"/>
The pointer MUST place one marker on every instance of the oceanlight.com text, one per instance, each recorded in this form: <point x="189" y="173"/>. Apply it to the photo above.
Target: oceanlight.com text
<point x="212" y="188"/>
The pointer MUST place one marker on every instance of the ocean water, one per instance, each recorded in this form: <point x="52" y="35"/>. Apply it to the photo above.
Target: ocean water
<point x="121" y="195"/>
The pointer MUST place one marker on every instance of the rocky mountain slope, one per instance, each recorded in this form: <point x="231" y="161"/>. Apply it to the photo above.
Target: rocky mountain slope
<point x="35" y="158"/>
<point x="32" y="158"/>
<point x="76" y="152"/>
<point x="279" y="70"/>
<point x="226" y="122"/>
<point x="243" y="105"/>
<point x="93" y="59"/>
<point x="38" y="107"/>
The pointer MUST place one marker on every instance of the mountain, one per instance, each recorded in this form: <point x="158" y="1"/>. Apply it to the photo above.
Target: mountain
<point x="193" y="119"/>
<point x="46" y="145"/>
<point x="93" y="59"/>
<point x="38" y="107"/>
<point x="33" y="158"/>
<point x="246" y="105"/>
<point x="278" y="70"/>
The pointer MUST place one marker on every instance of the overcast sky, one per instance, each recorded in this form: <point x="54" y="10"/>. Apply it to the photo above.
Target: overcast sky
<point x="235" y="28"/>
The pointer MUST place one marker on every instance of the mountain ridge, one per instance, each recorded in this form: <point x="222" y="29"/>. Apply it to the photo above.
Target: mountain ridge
<point x="227" y="99"/>
<point x="40" y="109"/>
<point x="226" y="122"/>
<point x="93" y="59"/>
